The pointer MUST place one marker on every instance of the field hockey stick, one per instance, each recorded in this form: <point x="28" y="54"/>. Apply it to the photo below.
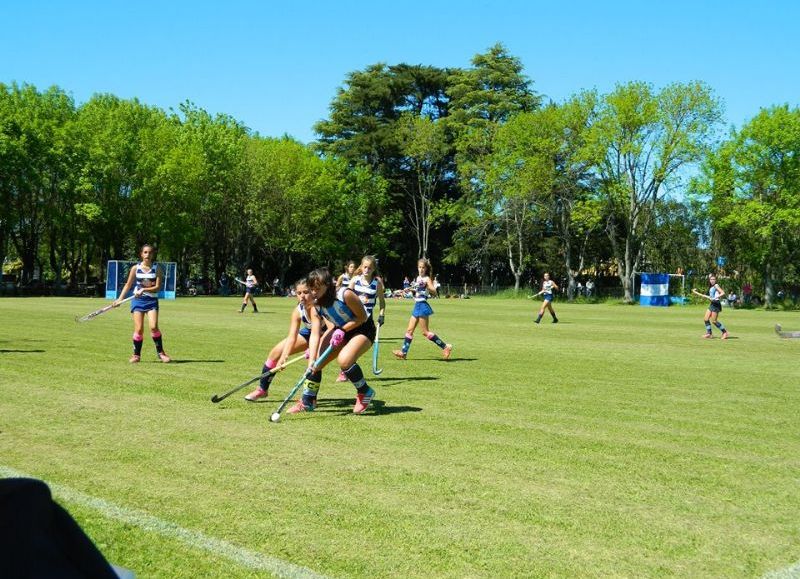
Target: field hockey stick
<point x="778" y="330"/>
<point x="102" y="310"/>
<point x="217" y="398"/>
<point x="375" y="348"/>
<point x="276" y="416"/>
<point x="237" y="280"/>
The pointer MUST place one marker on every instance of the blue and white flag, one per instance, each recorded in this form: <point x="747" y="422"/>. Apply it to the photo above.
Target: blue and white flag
<point x="654" y="290"/>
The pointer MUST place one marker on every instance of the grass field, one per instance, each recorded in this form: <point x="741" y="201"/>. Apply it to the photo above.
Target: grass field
<point x="616" y="443"/>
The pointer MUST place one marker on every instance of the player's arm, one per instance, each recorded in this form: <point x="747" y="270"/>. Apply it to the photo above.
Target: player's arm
<point x="431" y="287"/>
<point x="381" y="301"/>
<point x="127" y="287"/>
<point x="159" y="281"/>
<point x="294" y="326"/>
<point x="721" y="292"/>
<point x="555" y="287"/>
<point x="355" y="305"/>
<point x="316" y="336"/>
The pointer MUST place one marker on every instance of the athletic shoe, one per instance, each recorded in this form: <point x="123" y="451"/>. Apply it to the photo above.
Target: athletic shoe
<point x="300" y="407"/>
<point x="164" y="358"/>
<point x="341" y="377"/>
<point x="708" y="335"/>
<point x="555" y="320"/>
<point x="362" y="401"/>
<point x="725" y="335"/>
<point x="256" y="394"/>
<point x="135" y="359"/>
<point x="399" y="354"/>
<point x="448" y="349"/>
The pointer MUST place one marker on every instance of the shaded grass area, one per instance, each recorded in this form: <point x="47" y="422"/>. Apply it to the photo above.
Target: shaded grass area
<point x="614" y="443"/>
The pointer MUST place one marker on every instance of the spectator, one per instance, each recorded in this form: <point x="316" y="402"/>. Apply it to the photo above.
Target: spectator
<point x="589" y="288"/>
<point x="224" y="284"/>
<point x="733" y="299"/>
<point x="747" y="293"/>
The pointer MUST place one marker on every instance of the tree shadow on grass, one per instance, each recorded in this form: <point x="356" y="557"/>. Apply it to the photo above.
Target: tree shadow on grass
<point x="344" y="406"/>
<point x="5" y="351"/>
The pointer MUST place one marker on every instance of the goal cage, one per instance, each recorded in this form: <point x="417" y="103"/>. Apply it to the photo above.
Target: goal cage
<point x="118" y="271"/>
<point x="660" y="289"/>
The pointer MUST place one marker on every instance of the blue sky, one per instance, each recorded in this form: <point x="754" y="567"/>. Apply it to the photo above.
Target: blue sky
<point x="275" y="66"/>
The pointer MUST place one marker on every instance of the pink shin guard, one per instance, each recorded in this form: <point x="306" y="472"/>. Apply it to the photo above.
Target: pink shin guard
<point x="430" y="335"/>
<point x="156" y="334"/>
<point x="409" y="336"/>
<point x="270" y="364"/>
<point x="137" y="337"/>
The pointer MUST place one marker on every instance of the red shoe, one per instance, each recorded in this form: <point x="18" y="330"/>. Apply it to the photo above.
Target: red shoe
<point x="725" y="335"/>
<point x="341" y="377"/>
<point x="164" y="358"/>
<point x="300" y="407"/>
<point x="256" y="394"/>
<point x="135" y="359"/>
<point x="362" y="401"/>
<point x="707" y="336"/>
<point x="448" y="349"/>
<point x="399" y="354"/>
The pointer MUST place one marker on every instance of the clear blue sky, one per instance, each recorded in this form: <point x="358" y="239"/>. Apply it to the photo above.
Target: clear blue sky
<point x="275" y="66"/>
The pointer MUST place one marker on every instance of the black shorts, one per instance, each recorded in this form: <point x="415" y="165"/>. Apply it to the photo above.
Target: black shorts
<point x="715" y="307"/>
<point x="366" y="329"/>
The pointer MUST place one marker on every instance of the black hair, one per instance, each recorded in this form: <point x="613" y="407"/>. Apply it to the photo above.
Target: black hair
<point x="319" y="277"/>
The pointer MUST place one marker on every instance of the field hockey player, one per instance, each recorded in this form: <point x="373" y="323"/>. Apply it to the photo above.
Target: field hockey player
<point x="146" y="279"/>
<point x="351" y="333"/>
<point x="301" y="324"/>
<point x="250" y="284"/>
<point x="546" y="292"/>
<point x="423" y="288"/>
<point x="715" y="292"/>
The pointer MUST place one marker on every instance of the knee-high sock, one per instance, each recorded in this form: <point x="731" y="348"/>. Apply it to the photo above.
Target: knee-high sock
<point x="708" y="327"/>
<point x="311" y="389"/>
<point x="267" y="380"/>
<point x="435" y="339"/>
<point x="720" y="327"/>
<point x="157" y="340"/>
<point x="356" y="376"/>
<point x="407" y="343"/>
<point x="137" y="343"/>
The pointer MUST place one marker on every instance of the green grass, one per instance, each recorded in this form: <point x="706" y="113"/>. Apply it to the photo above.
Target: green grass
<point x="616" y="443"/>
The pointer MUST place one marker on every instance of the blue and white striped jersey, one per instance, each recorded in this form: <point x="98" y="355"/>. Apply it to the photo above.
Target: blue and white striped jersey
<point x="146" y="279"/>
<point x="366" y="292"/>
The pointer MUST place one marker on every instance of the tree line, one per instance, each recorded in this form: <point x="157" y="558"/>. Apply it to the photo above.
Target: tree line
<point x="471" y="167"/>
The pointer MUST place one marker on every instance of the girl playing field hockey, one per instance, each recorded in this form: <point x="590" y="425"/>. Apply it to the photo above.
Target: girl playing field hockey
<point x="369" y="289"/>
<point x="250" y="284"/>
<point x="715" y="292"/>
<point x="351" y="332"/>
<point x="349" y="272"/>
<point x="146" y="279"/>
<point x="548" y="286"/>
<point x="301" y="325"/>
<point x="424" y="288"/>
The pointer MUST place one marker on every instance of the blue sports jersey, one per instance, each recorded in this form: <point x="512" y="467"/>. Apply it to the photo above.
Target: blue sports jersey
<point x="367" y="292"/>
<point x="713" y="293"/>
<point x="338" y="313"/>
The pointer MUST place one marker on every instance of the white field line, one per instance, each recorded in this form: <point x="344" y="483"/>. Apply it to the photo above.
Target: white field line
<point x="791" y="572"/>
<point x="194" y="539"/>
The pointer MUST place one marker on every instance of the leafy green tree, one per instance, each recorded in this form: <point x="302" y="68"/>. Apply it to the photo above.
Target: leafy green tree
<point x="642" y="141"/>
<point x="755" y="200"/>
<point x="482" y="99"/>
<point x="33" y="173"/>
<point x="540" y="160"/>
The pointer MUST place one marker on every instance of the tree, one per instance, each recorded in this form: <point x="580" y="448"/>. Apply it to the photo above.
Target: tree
<point x="753" y="180"/>
<point x="641" y="142"/>
<point x="482" y="99"/>
<point x="426" y="155"/>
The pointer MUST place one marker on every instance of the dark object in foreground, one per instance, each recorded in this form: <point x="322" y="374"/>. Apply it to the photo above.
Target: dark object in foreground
<point x="38" y="538"/>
